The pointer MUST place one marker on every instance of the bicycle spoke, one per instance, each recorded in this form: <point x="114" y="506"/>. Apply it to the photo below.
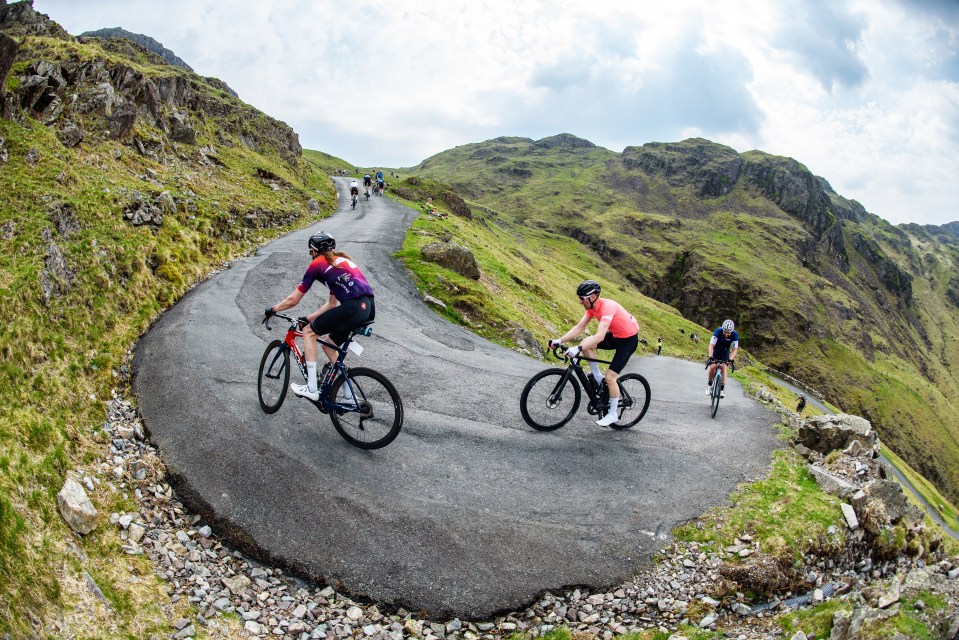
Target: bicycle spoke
<point x="369" y="411"/>
<point x="549" y="400"/>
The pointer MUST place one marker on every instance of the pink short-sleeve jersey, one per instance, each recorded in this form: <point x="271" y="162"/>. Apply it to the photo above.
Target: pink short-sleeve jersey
<point x="621" y="323"/>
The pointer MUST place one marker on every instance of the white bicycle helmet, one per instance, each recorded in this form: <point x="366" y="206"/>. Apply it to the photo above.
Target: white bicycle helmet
<point x="728" y="325"/>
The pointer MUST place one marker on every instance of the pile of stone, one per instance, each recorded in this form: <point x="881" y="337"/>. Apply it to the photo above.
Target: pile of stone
<point x="690" y="585"/>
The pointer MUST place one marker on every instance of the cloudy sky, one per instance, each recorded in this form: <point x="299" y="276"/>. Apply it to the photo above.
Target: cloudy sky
<point x="863" y="92"/>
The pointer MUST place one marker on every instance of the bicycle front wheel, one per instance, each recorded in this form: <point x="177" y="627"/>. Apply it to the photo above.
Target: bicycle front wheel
<point x="550" y="399"/>
<point x="717" y="381"/>
<point x="369" y="411"/>
<point x="273" y="378"/>
<point x="634" y="400"/>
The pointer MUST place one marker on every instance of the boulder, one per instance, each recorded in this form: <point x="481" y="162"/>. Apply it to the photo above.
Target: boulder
<point x="760" y="573"/>
<point x="526" y="341"/>
<point x="180" y="129"/>
<point x="121" y="122"/>
<point x="886" y="504"/>
<point x="827" y="433"/>
<point x="453" y="256"/>
<point x="831" y="483"/>
<point x="75" y="507"/>
<point x="70" y="135"/>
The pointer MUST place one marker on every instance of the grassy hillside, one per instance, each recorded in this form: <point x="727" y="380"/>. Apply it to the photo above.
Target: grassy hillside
<point x="81" y="280"/>
<point x="821" y="289"/>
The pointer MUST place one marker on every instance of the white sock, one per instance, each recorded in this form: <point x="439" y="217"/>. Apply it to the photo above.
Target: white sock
<point x="311" y="376"/>
<point x="613" y="405"/>
<point x="594" y="367"/>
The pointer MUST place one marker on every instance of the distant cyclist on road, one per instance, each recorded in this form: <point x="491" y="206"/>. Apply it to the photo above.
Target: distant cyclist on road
<point x="617" y="330"/>
<point x="367" y="180"/>
<point x="354" y="188"/>
<point x="350" y="304"/>
<point x="380" y="183"/>
<point x="723" y="346"/>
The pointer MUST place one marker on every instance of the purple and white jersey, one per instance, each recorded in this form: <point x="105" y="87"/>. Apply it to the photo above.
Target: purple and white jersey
<point x="343" y="278"/>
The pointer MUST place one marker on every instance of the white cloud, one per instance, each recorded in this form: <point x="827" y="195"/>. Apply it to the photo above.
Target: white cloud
<point x="864" y="92"/>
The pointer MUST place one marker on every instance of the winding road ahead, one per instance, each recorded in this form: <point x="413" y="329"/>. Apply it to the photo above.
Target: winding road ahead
<point x="469" y="512"/>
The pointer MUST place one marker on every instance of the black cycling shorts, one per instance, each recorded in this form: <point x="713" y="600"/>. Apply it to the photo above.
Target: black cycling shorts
<point x="341" y="319"/>
<point x="625" y="348"/>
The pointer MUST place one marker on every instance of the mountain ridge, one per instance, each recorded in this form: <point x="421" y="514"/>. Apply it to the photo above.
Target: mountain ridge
<point x="822" y="288"/>
<point x="144" y="41"/>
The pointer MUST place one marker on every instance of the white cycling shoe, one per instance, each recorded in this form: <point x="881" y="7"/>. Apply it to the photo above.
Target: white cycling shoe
<point x="303" y="391"/>
<point x="608" y="420"/>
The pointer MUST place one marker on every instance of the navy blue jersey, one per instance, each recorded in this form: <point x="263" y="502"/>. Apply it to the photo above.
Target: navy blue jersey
<point x="723" y="344"/>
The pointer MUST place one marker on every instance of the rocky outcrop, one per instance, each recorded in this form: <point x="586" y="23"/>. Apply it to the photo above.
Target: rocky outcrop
<point x="826" y="433"/>
<point x="100" y="98"/>
<point x="144" y="41"/>
<point x="712" y="169"/>
<point x="886" y="271"/>
<point x="8" y="53"/>
<point x="792" y="187"/>
<point x="453" y="256"/>
<point x="456" y="205"/>
<point x="21" y="19"/>
<point x="563" y="141"/>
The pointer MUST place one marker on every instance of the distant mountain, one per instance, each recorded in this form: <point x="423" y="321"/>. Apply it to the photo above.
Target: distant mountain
<point x="144" y="41"/>
<point x="862" y="310"/>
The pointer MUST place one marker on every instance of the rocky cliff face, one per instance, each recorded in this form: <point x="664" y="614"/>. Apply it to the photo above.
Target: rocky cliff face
<point x="87" y="99"/>
<point x="144" y="41"/>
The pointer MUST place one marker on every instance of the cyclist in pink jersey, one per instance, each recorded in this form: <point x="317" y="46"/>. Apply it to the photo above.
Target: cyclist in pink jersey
<point x="617" y="330"/>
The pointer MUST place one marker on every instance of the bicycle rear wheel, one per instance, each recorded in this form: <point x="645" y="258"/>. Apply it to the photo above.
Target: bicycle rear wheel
<point x="717" y="382"/>
<point x="633" y="401"/>
<point x="273" y="378"/>
<point x="550" y="399"/>
<point x="376" y="415"/>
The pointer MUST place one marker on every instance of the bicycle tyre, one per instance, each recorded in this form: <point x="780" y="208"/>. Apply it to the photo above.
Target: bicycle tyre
<point x="634" y="400"/>
<point x="538" y="404"/>
<point x="717" y="381"/>
<point x="274" y="366"/>
<point x="381" y="416"/>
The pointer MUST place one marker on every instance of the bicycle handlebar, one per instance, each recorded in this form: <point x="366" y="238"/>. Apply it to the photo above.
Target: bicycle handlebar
<point x="710" y="361"/>
<point x="559" y="352"/>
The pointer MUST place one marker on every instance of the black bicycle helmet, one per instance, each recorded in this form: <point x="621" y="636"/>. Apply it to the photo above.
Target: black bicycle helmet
<point x="587" y="288"/>
<point x="322" y="242"/>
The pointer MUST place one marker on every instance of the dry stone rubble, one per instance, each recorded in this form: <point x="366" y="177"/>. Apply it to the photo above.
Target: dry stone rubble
<point x="691" y="585"/>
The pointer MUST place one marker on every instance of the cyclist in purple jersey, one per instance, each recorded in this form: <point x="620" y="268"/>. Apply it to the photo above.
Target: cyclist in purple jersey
<point x="350" y="304"/>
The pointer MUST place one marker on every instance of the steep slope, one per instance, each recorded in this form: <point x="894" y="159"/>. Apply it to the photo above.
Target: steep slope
<point x="820" y="288"/>
<point x="144" y="41"/>
<point x="123" y="181"/>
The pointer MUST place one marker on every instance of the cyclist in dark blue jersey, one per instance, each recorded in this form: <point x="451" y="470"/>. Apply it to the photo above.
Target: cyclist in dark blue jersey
<point x="723" y="346"/>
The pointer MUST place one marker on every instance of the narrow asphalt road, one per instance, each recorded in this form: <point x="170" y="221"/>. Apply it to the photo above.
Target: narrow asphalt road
<point x="469" y="512"/>
<point x="903" y="480"/>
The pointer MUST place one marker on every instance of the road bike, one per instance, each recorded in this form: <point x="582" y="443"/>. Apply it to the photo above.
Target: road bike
<point x="552" y="396"/>
<point x="353" y="201"/>
<point x="716" y="386"/>
<point x="363" y="405"/>
<point x="367" y="193"/>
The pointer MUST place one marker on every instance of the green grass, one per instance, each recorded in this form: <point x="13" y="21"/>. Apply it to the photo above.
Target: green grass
<point x="530" y="284"/>
<point x="60" y="356"/>
<point x="786" y="512"/>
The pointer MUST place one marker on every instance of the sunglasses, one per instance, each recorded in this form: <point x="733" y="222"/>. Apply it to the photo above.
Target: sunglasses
<point x="585" y="298"/>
